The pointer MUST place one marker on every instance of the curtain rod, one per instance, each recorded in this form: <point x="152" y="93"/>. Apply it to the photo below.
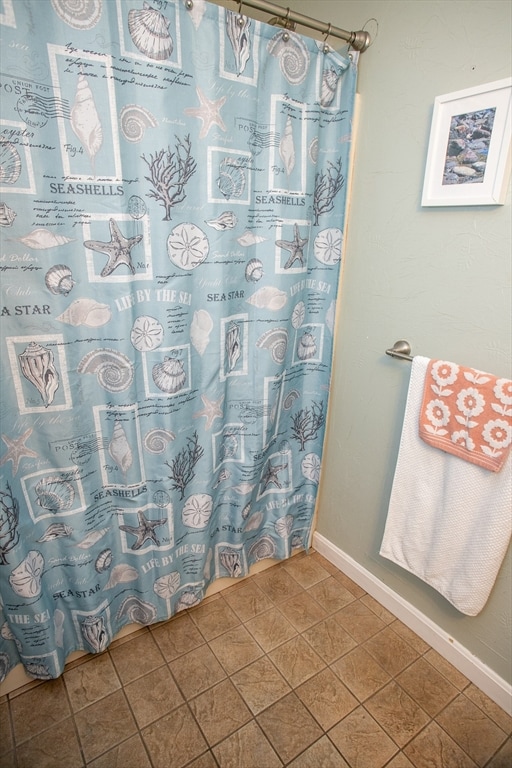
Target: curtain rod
<point x="358" y="40"/>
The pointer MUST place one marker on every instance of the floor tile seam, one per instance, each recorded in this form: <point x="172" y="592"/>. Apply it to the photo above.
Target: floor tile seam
<point x="484" y="714"/>
<point x="216" y="743"/>
<point x="65" y="683"/>
<point x="230" y="674"/>
<point x="192" y="696"/>
<point x="137" y="729"/>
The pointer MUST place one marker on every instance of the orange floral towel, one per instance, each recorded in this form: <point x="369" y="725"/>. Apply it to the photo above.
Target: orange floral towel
<point x="468" y="413"/>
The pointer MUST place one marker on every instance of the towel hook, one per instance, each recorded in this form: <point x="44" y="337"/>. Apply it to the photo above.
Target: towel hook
<point x="400" y="349"/>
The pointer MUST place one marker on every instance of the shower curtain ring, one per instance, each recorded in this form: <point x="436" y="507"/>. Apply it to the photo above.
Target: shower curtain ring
<point x="240" y="19"/>
<point x="327" y="47"/>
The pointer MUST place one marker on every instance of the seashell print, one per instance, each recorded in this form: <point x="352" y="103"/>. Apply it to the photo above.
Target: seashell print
<point x="327" y="246"/>
<point x="330" y="316"/>
<point x="262" y="548"/>
<point x="91" y="538"/>
<point x="25" y="579"/>
<point x="113" y="369"/>
<point x="243" y="488"/>
<point x="119" y="448"/>
<point x="5" y="666"/>
<point x="290" y="398"/>
<point x="147" y="333"/>
<point x="85" y="120"/>
<point x="297" y="542"/>
<point x="56" y="531"/>
<point x="41" y="238"/>
<point x="292" y="54"/>
<point x="162" y="499"/>
<point x="226" y="220"/>
<point x="249" y="238"/>
<point x="37" y="671"/>
<point x="306" y="346"/>
<point x="253" y="271"/>
<point x="310" y="466"/>
<point x="229" y="446"/>
<point x="79" y="14"/>
<point x="276" y="341"/>
<point x="298" y="314"/>
<point x="187" y="246"/>
<point x="10" y="162"/>
<point x="134" y="121"/>
<point x="169" y="376"/>
<point x="59" y="280"/>
<point x="197" y="510"/>
<point x="283" y="526"/>
<point x="268" y="298"/>
<point x="313" y="150"/>
<point x="94" y="632"/>
<point x="187" y="600"/>
<point x="200" y="329"/>
<point x="287" y="147"/>
<point x="232" y="178"/>
<point x="58" y="623"/>
<point x="254" y="521"/>
<point x="37" y="366"/>
<point x="86" y="312"/>
<point x="149" y="30"/>
<point x="233" y="345"/>
<point x="196" y="11"/>
<point x="167" y="586"/>
<point x="121" y="574"/>
<point x="137" y="611"/>
<point x="103" y="561"/>
<point x="157" y="440"/>
<point x="224" y="474"/>
<point x="7" y="215"/>
<point x="231" y="562"/>
<point x="330" y="80"/>
<point x="237" y="30"/>
<point x="137" y="208"/>
<point x="55" y="494"/>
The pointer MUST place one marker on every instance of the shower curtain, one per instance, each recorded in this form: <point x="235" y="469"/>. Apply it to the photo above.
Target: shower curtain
<point x="172" y="193"/>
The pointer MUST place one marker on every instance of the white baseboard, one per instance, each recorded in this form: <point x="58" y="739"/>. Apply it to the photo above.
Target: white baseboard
<point x="475" y="670"/>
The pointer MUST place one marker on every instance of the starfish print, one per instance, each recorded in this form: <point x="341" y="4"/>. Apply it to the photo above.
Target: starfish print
<point x="270" y="475"/>
<point x="212" y="410"/>
<point x="144" y="531"/>
<point x="295" y="246"/>
<point x="17" y="450"/>
<point x="208" y="113"/>
<point x="118" y="249"/>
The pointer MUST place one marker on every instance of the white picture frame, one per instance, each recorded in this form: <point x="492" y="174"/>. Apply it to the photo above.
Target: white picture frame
<point x="478" y="122"/>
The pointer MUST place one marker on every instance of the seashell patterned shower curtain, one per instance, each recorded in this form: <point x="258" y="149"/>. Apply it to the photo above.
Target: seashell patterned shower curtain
<point x="172" y="193"/>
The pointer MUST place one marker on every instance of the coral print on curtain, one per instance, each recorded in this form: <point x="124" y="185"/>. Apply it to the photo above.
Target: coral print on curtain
<point x="172" y="192"/>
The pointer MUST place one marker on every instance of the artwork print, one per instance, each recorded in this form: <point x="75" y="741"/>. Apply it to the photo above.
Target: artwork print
<point x="172" y="210"/>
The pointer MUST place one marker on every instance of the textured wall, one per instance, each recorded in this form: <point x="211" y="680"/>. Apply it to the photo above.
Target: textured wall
<point x="440" y="277"/>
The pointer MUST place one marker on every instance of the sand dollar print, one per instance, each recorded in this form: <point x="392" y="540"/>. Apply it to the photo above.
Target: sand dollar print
<point x="147" y="333"/>
<point x="328" y="245"/>
<point x="187" y="246"/>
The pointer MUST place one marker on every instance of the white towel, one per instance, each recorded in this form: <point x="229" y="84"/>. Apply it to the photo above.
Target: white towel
<point x="449" y="522"/>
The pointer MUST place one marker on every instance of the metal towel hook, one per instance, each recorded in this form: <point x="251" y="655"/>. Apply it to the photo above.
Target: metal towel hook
<point x="400" y="349"/>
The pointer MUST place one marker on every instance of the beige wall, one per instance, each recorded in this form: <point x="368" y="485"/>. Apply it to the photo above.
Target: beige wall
<point x="440" y="277"/>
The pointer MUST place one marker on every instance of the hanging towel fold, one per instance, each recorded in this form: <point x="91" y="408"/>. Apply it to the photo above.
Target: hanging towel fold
<point x="468" y="413"/>
<point x="449" y="521"/>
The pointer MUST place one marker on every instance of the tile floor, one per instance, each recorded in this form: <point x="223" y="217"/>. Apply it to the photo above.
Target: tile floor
<point x="296" y="666"/>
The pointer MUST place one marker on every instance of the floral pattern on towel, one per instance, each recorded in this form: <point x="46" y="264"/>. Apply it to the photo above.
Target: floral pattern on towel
<point x="470" y="414"/>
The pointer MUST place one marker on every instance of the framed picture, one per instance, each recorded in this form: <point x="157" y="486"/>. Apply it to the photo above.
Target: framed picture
<point x="468" y="160"/>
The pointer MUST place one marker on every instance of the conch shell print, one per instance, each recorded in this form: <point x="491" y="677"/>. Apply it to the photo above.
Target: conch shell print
<point x="268" y="297"/>
<point x="86" y="312"/>
<point x="200" y="329"/>
<point x="149" y="30"/>
<point x="37" y="366"/>
<point x="95" y="633"/>
<point x="85" y="120"/>
<point x="233" y="346"/>
<point x="119" y="448"/>
<point x="287" y="147"/>
<point x="237" y="29"/>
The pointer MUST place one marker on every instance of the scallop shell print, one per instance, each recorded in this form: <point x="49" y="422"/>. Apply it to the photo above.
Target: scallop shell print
<point x="55" y="494"/>
<point x="10" y="163"/>
<point x="200" y="329"/>
<point x="85" y="120"/>
<point x="237" y="29"/>
<point x="59" y="280"/>
<point x="170" y="375"/>
<point x="113" y="369"/>
<point x="232" y="178"/>
<point x="276" y="341"/>
<point x="293" y="56"/>
<point x="79" y="14"/>
<point x="330" y="80"/>
<point x="149" y="30"/>
<point x="86" y="312"/>
<point x="306" y="346"/>
<point x="134" y="121"/>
